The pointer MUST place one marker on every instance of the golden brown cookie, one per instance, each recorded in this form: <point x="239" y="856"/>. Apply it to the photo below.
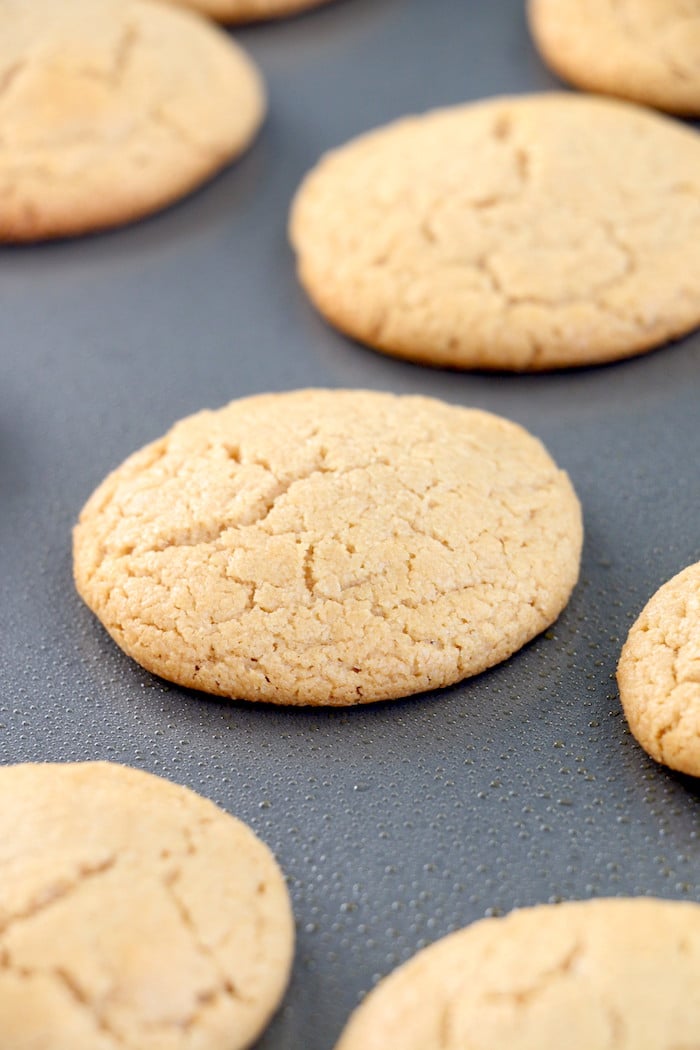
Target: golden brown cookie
<point x="518" y="233"/>
<point x="249" y="10"/>
<point x="134" y="915"/>
<point x="329" y="547"/>
<point x="110" y="111"/>
<point x="659" y="674"/>
<point x="596" y="975"/>
<point x="644" y="50"/>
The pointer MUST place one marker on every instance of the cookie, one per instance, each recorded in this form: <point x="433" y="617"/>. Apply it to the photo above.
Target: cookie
<point x="133" y="914"/>
<point x="659" y="674"/>
<point x="519" y="233"/>
<point x="329" y="547"/>
<point x="110" y="111"/>
<point x="644" y="50"/>
<point x="596" y="975"/>
<point x="250" y="10"/>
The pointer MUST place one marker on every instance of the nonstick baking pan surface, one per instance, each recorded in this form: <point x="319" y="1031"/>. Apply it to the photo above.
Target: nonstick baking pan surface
<point x="398" y="822"/>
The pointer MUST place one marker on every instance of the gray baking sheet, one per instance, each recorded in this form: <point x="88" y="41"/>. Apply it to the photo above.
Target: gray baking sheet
<point x="399" y="822"/>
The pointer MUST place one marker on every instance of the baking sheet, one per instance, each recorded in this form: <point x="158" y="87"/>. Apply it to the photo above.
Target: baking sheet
<point x="400" y="822"/>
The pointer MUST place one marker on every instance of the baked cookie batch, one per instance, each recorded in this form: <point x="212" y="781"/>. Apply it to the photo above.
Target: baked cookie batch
<point x="339" y="547"/>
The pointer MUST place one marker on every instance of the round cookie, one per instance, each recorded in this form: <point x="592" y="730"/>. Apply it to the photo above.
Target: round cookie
<point x="110" y="111"/>
<point x="644" y="50"/>
<point x="519" y="233"/>
<point x="659" y="674"/>
<point x="232" y="11"/>
<point x="133" y="914"/>
<point x="329" y="547"/>
<point x="596" y="975"/>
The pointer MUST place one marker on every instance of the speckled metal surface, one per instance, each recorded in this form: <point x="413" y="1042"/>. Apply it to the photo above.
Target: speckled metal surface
<point x="400" y="822"/>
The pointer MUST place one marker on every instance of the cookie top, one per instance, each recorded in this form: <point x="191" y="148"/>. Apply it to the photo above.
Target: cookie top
<point x="518" y="233"/>
<point x="110" y="111"/>
<point x="596" y="975"/>
<point x="249" y="10"/>
<point x="659" y="674"/>
<point x="644" y="50"/>
<point x="329" y="547"/>
<point x="133" y="914"/>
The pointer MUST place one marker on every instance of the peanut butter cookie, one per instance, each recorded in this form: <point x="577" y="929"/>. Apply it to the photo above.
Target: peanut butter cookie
<point x="594" y="975"/>
<point x="330" y="547"/>
<point x="644" y="50"/>
<point x="518" y="233"/>
<point x="134" y="915"/>
<point x="250" y="10"/>
<point x="112" y="110"/>
<point x="659" y="674"/>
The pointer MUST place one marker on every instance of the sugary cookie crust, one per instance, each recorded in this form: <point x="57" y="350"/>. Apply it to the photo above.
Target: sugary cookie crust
<point x="110" y="111"/>
<point x="134" y="915"/>
<point x="330" y="547"/>
<point x="597" y="975"/>
<point x="520" y="233"/>
<point x="249" y="10"/>
<point x="644" y="50"/>
<point x="659" y="674"/>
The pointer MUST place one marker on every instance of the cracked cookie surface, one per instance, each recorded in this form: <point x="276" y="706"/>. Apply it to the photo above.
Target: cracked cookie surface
<point x="659" y="674"/>
<point x="113" y="110"/>
<point x="644" y="50"/>
<point x="330" y="547"/>
<point x="595" y="975"/>
<point x="134" y="915"/>
<point x="519" y="233"/>
<point x="249" y="10"/>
